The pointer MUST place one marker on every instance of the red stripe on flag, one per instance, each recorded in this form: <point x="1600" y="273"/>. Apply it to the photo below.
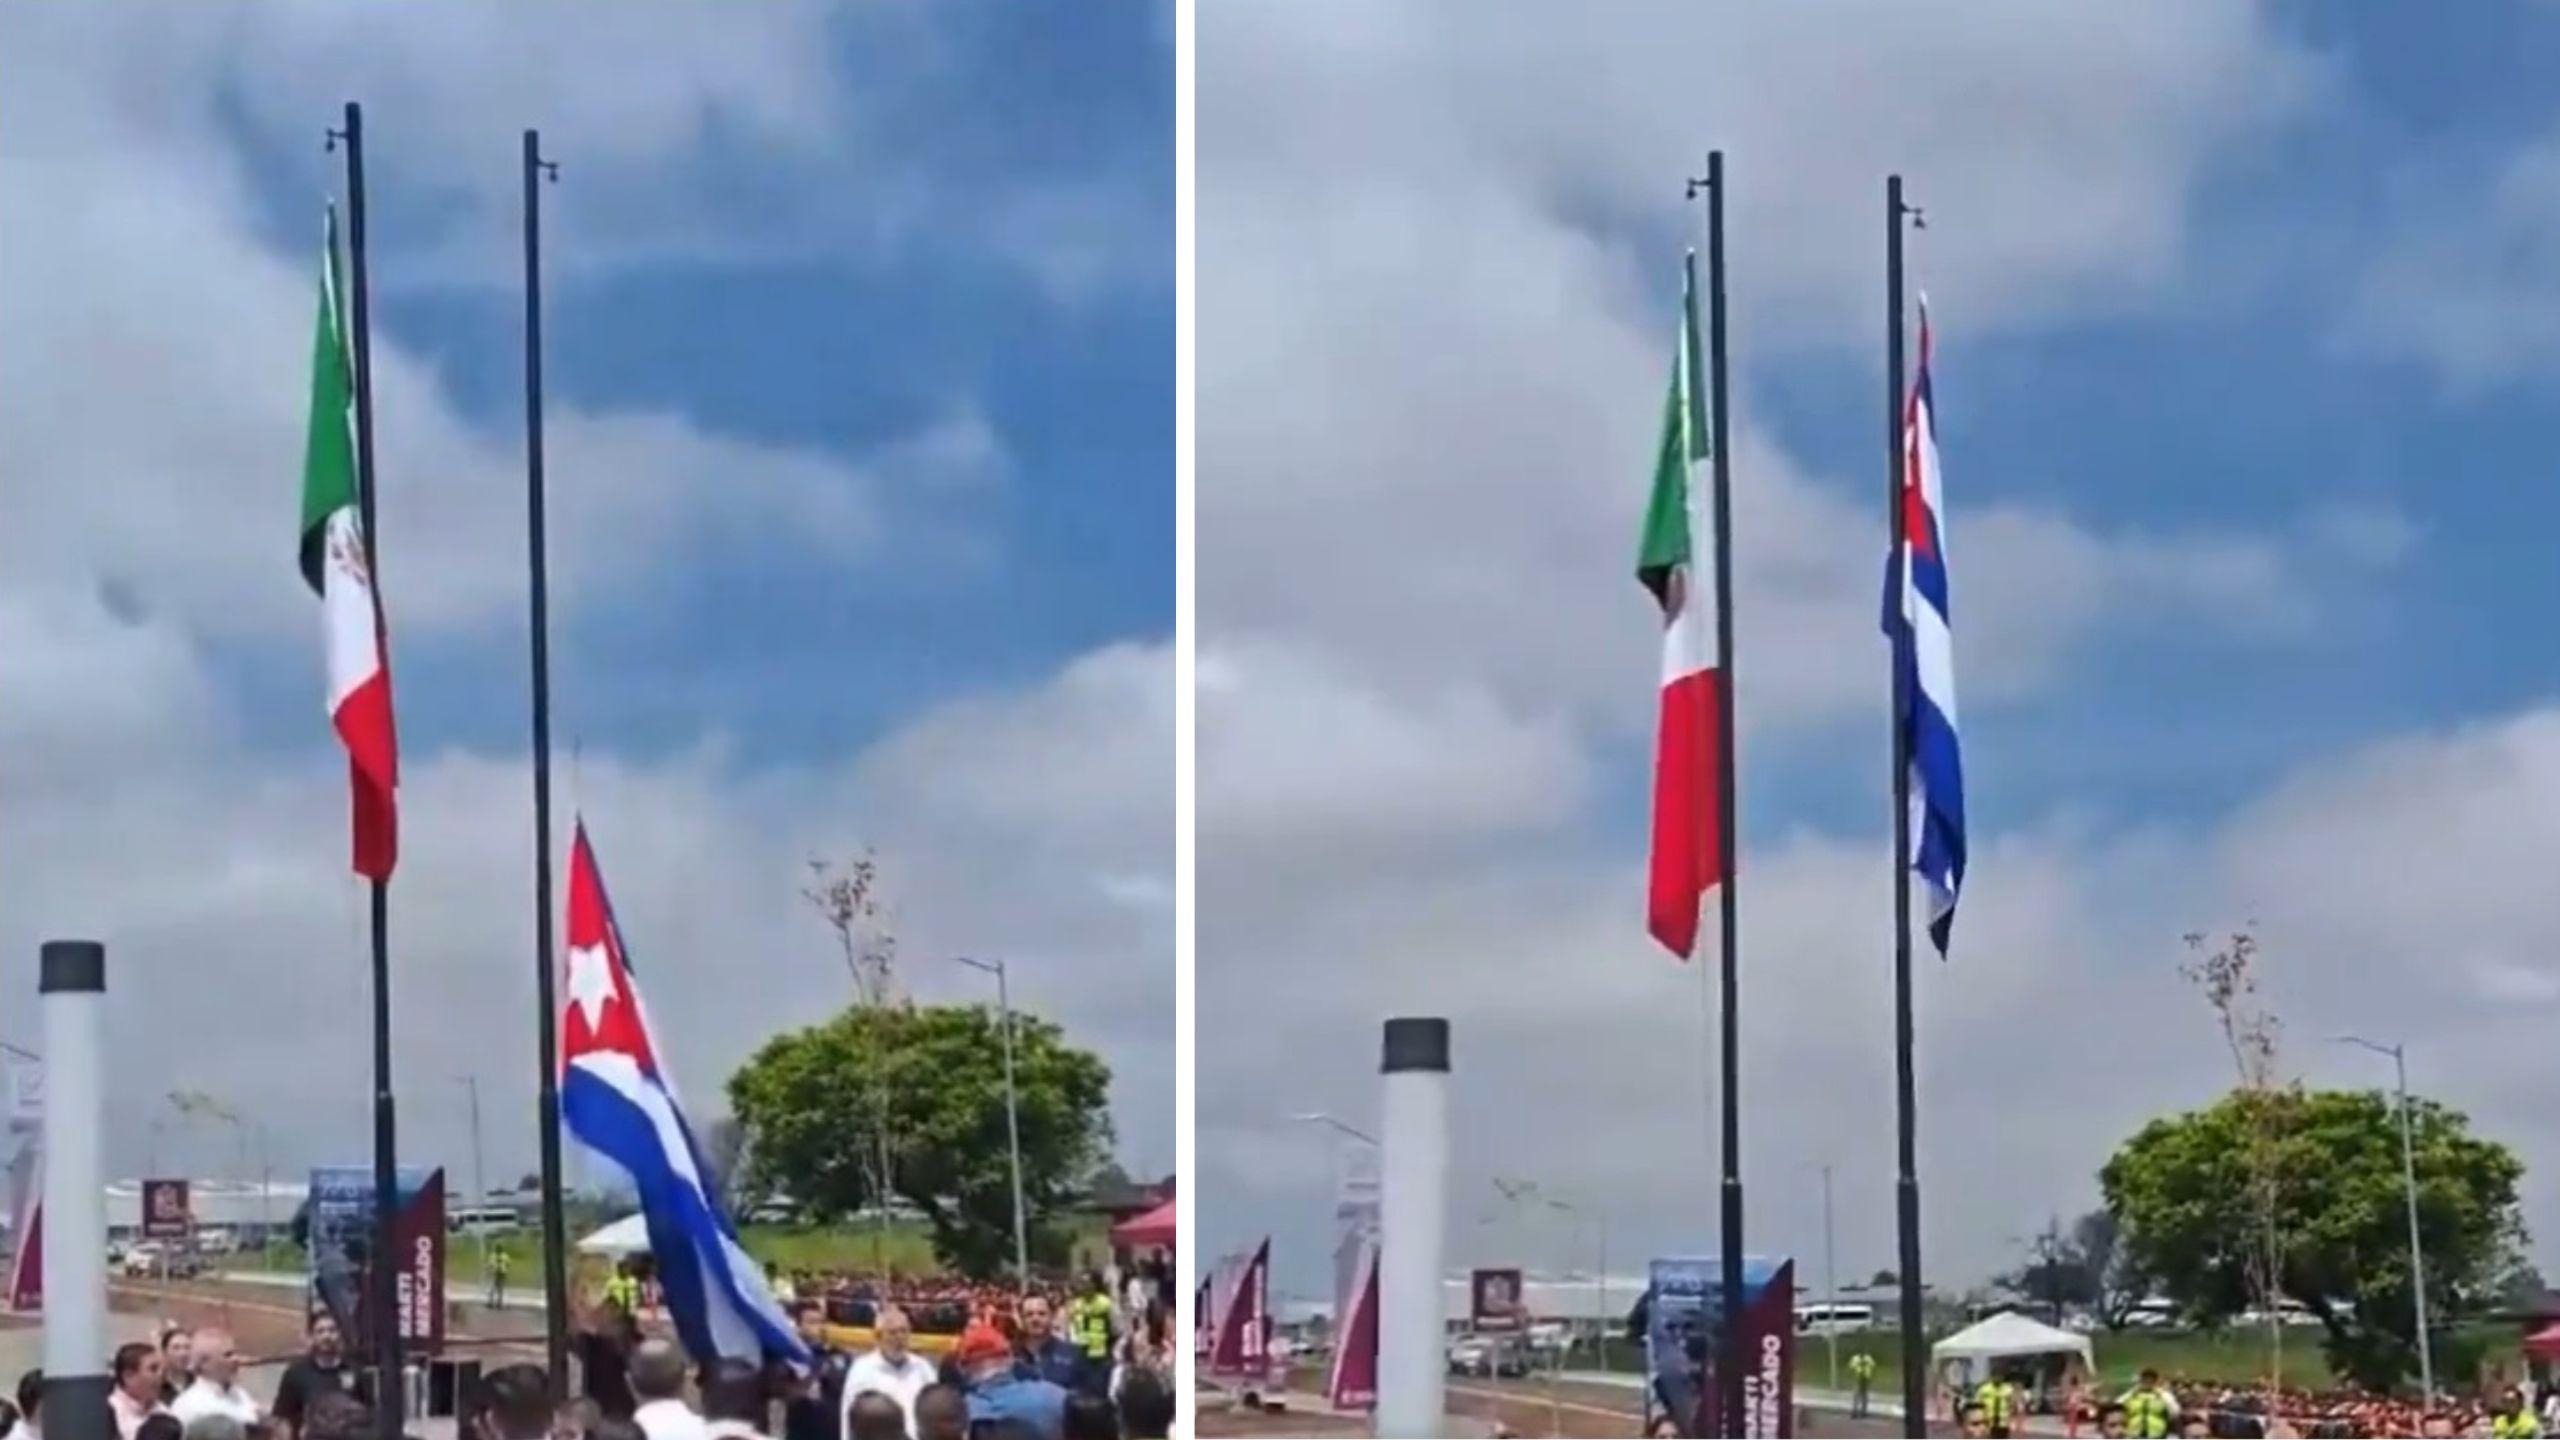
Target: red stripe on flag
<point x="1688" y="816"/>
<point x="373" y="776"/>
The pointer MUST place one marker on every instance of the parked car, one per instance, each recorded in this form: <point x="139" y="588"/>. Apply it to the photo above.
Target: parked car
<point x="151" y="1261"/>
<point x="1489" y="1356"/>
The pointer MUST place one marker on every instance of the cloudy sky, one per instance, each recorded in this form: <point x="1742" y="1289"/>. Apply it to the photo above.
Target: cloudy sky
<point x="861" y="465"/>
<point x="2249" y="325"/>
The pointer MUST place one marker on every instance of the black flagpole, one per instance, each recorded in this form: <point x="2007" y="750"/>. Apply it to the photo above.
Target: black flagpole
<point x="1730" y="1361"/>
<point x="555" y="1251"/>
<point x="1907" y="1181"/>
<point x="383" y="1305"/>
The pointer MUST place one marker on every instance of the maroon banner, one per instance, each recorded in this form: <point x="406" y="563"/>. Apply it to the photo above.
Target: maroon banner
<point x="1244" y="1326"/>
<point x="165" y="1213"/>
<point x="418" y="1249"/>
<point x="26" y="1222"/>
<point x="1495" y="1301"/>
<point x="1353" y="1383"/>
<point x="1769" y="1355"/>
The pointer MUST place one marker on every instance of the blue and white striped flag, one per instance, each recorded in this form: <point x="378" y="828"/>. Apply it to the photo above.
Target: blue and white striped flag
<point x="1918" y="621"/>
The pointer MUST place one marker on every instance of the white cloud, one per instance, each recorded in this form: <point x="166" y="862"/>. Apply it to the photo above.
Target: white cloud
<point x="2395" y="890"/>
<point x="236" y="936"/>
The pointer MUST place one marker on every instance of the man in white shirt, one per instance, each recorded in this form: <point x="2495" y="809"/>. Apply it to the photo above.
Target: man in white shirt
<point x="892" y="1370"/>
<point x="216" y="1389"/>
<point x="136" y="1397"/>
<point x="657" y="1382"/>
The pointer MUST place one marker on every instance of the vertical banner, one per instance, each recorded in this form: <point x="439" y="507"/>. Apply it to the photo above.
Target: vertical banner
<point x="1221" y="1285"/>
<point x="341" y="1251"/>
<point x="25" y="1117"/>
<point x="1204" y="1318"/>
<point x="165" y="1212"/>
<point x="1684" y="1334"/>
<point x="1244" y="1327"/>
<point x="419" y="1252"/>
<point x="1351" y="1383"/>
<point x="1495" y="1301"/>
<point x="26" y="1226"/>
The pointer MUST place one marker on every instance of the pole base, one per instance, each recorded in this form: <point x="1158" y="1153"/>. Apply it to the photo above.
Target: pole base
<point x="75" y="1408"/>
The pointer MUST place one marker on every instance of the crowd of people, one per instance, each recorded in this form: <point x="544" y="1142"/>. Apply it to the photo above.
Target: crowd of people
<point x="1073" y="1362"/>
<point x="1082" y="1362"/>
<point x="2154" y="1408"/>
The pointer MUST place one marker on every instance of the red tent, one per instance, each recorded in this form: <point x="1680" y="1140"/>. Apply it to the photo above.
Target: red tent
<point x="2544" y="1344"/>
<point x="1153" y="1230"/>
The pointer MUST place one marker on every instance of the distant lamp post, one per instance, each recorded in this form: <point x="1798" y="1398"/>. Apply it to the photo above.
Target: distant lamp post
<point x="1012" y="1120"/>
<point x="2409" y="1183"/>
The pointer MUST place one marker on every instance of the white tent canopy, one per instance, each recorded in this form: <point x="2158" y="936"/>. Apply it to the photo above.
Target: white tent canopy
<point x="626" y="1236"/>
<point x="1968" y="1356"/>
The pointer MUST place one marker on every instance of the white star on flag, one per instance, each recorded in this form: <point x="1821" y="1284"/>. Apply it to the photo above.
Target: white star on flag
<point x="591" y="985"/>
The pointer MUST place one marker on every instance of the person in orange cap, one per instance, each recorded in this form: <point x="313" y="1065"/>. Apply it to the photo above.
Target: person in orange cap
<point x="998" y="1393"/>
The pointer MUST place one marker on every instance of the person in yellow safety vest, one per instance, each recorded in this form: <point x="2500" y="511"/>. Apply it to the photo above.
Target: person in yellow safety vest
<point x="1862" y="1373"/>
<point x="2148" y="1408"/>
<point x="1993" y="1399"/>
<point x="2514" y="1418"/>
<point x="623" y="1292"/>
<point x="1089" y="1323"/>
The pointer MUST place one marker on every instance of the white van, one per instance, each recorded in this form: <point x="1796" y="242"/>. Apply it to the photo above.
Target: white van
<point x="482" y="1220"/>
<point x="1823" y="1317"/>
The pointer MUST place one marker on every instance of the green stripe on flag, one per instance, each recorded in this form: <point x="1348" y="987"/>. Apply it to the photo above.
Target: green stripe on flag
<point x="329" y="451"/>
<point x="1665" y="546"/>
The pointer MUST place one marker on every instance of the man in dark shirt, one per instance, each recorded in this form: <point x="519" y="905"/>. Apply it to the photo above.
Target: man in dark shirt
<point x="815" y="1410"/>
<point x="1042" y="1353"/>
<point x="321" y="1371"/>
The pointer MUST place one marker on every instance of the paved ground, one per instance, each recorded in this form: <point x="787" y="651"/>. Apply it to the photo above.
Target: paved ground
<point x="1576" y="1406"/>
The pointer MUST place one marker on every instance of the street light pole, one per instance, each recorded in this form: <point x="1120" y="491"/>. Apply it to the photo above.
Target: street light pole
<point x="1830" y="1281"/>
<point x="479" y="1175"/>
<point x="1318" y="1117"/>
<point x="2409" y="1184"/>
<point x="1012" y="1120"/>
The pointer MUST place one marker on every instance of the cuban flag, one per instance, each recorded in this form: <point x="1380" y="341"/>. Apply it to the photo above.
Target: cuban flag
<point x="1918" y="622"/>
<point x="618" y="1101"/>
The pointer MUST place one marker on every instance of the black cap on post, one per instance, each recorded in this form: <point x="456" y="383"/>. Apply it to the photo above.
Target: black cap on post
<point x="71" y="967"/>
<point x="1416" y="1044"/>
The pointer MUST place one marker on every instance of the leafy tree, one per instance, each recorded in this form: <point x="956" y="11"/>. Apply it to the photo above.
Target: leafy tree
<point x="1884" y="1278"/>
<point x="941" y="1073"/>
<point x="2182" y="1191"/>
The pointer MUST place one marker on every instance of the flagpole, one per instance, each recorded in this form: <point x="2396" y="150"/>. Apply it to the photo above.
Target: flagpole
<point x="1729" y="1360"/>
<point x="384" y="1301"/>
<point x="555" y="1252"/>
<point x="1907" y="1180"/>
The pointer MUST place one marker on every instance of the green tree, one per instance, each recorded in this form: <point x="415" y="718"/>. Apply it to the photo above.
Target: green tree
<point x="2182" y="1195"/>
<point x="940" y="1071"/>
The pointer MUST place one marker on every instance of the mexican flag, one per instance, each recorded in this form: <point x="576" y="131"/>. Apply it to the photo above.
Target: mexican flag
<point x="1688" y="824"/>
<point x="338" y="565"/>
